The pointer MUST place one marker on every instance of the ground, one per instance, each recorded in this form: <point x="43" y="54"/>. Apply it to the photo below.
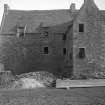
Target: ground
<point x="74" y="96"/>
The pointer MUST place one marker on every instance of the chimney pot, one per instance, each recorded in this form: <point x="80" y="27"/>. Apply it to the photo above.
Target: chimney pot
<point x="6" y="8"/>
<point x="72" y="7"/>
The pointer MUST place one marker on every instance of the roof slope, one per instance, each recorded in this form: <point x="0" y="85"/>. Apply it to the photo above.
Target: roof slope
<point x="34" y="19"/>
<point x="61" y="28"/>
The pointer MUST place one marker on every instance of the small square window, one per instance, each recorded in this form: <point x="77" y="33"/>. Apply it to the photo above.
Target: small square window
<point x="64" y="51"/>
<point x="45" y="50"/>
<point x="81" y="53"/>
<point x="81" y="27"/>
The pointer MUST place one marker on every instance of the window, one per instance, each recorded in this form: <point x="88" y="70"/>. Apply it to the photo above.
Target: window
<point x="81" y="27"/>
<point x="21" y="34"/>
<point x="20" y="31"/>
<point x="64" y="51"/>
<point x="45" y="50"/>
<point x="81" y="53"/>
<point x="45" y="34"/>
<point x="64" y="37"/>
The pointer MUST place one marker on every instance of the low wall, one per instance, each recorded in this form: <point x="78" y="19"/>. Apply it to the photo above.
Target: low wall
<point x="80" y="83"/>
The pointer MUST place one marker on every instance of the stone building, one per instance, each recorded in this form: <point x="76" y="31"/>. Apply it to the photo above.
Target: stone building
<point x="66" y="41"/>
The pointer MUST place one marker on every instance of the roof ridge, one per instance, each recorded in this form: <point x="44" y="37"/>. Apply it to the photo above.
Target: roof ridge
<point x="38" y="10"/>
<point x="33" y="18"/>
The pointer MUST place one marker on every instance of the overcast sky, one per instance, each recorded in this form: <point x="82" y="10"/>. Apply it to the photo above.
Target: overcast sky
<point x="44" y="4"/>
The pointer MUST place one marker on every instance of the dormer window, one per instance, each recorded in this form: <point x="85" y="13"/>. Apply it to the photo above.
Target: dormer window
<point x="81" y="27"/>
<point x="21" y="31"/>
<point x="45" y="34"/>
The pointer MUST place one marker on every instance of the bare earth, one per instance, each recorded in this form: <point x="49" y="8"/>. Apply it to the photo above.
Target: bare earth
<point x="74" y="96"/>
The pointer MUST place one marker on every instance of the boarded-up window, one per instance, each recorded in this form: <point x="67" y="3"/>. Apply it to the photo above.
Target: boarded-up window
<point x="81" y="53"/>
<point x="81" y="27"/>
<point x="45" y="50"/>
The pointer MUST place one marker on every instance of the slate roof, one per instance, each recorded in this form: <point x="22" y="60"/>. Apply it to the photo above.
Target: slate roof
<point x="34" y="19"/>
<point x="61" y="28"/>
<point x="56" y="20"/>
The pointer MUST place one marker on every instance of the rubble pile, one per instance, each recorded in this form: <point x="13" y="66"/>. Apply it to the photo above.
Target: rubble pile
<point x="6" y="79"/>
<point x="28" y="80"/>
<point x="99" y="75"/>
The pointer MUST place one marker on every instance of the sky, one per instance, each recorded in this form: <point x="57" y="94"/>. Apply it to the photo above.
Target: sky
<point x="44" y="4"/>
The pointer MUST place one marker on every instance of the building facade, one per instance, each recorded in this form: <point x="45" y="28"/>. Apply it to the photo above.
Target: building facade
<point x="64" y="42"/>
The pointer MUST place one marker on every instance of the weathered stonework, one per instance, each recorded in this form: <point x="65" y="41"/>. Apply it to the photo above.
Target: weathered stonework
<point x="91" y="39"/>
<point x="26" y="55"/>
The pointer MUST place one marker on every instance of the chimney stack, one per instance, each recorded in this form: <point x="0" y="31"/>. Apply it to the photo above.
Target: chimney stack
<point x="6" y="8"/>
<point x="72" y="7"/>
<point x="87" y="1"/>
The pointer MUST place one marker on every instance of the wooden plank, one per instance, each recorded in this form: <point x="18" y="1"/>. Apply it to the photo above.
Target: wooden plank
<point x="79" y="83"/>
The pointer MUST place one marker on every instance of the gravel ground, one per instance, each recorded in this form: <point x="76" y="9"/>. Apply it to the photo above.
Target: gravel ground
<point x="74" y="96"/>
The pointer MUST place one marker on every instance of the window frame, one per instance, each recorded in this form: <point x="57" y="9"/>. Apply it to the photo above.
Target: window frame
<point x="82" y="56"/>
<point x="81" y="28"/>
<point x="20" y="32"/>
<point x="64" y="51"/>
<point x="46" y="34"/>
<point x="46" y="51"/>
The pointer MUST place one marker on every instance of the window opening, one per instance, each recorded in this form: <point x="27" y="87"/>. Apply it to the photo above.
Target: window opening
<point x="81" y="53"/>
<point x="45" y="50"/>
<point x="81" y="27"/>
